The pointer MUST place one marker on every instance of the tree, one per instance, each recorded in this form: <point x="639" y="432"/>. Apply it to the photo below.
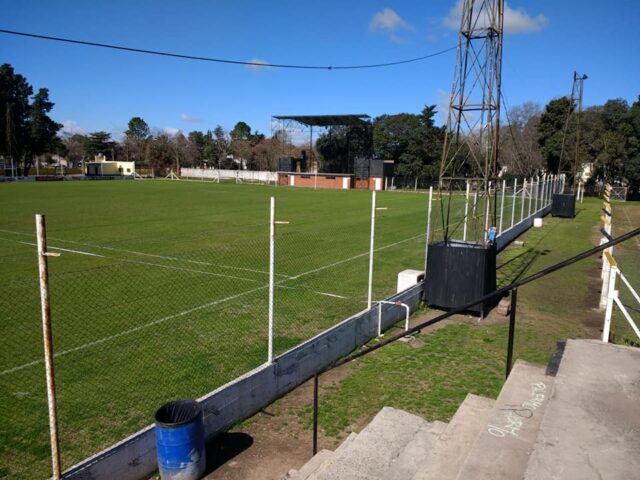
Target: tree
<point x="99" y="142"/>
<point x="241" y="131"/>
<point x="136" y="138"/>
<point x="519" y="148"/>
<point x="219" y="148"/>
<point x="412" y="141"/>
<point x="25" y="126"/>
<point x="555" y="130"/>
<point x="161" y="154"/>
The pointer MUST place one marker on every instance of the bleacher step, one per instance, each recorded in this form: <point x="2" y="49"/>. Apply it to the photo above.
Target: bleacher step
<point x="411" y="457"/>
<point x="443" y="461"/>
<point x="591" y="429"/>
<point x="372" y="452"/>
<point x="502" y="449"/>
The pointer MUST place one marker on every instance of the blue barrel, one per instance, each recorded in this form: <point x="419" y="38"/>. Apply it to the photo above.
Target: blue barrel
<point x="180" y="440"/>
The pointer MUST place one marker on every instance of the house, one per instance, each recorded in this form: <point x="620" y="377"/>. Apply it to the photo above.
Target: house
<point x="103" y="167"/>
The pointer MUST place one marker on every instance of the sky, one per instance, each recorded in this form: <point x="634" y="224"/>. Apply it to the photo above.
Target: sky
<point x="97" y="89"/>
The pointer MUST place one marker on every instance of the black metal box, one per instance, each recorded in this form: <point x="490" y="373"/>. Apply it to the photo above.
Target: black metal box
<point x="563" y="205"/>
<point x="459" y="273"/>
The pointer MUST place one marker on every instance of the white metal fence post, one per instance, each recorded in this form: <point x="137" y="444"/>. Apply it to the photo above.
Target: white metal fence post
<point x="513" y="207"/>
<point x="272" y="266"/>
<point x="466" y="214"/>
<point x="426" y="247"/>
<point x="530" y="196"/>
<point x="611" y="292"/>
<point x="537" y="193"/>
<point x="47" y="334"/>
<point x="504" y="187"/>
<point x="524" y="190"/>
<point x="371" y="245"/>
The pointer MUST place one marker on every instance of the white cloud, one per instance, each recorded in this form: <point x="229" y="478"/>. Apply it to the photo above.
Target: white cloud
<point x="71" y="127"/>
<point x="189" y="119"/>
<point x="516" y="20"/>
<point x="171" y="131"/>
<point x="258" y="64"/>
<point x="388" y="21"/>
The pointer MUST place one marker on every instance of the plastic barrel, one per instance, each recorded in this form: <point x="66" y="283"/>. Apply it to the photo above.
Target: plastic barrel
<point x="180" y="440"/>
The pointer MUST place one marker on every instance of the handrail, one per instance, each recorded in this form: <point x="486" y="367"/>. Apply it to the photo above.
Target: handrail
<point x="499" y="292"/>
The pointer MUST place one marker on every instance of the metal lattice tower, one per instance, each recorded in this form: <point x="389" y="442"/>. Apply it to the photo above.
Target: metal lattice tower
<point x="576" y="99"/>
<point x="470" y="150"/>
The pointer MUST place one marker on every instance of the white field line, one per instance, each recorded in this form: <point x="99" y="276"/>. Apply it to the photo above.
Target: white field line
<point x="326" y="294"/>
<point x="134" y="252"/>
<point x="195" y="309"/>
<point x="138" y="262"/>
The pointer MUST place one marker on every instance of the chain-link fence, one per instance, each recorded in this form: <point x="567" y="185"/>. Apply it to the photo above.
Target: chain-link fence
<point x="148" y="307"/>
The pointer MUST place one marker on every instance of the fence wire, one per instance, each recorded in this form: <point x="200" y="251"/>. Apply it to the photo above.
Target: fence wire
<point x="151" y="306"/>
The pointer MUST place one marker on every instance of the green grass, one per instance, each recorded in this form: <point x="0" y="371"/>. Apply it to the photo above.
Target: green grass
<point x="431" y="377"/>
<point x="174" y="301"/>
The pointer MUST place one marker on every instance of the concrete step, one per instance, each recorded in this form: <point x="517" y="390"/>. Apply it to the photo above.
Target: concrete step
<point x="318" y="461"/>
<point x="311" y="466"/>
<point x="501" y="450"/>
<point x="591" y="428"/>
<point x="375" y="448"/>
<point x="443" y="461"/>
<point x="412" y="456"/>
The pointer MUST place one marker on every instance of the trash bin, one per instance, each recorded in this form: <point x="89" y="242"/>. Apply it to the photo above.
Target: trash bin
<point x="180" y="440"/>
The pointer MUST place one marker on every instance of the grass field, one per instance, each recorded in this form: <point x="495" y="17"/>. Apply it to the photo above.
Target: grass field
<point x="160" y="292"/>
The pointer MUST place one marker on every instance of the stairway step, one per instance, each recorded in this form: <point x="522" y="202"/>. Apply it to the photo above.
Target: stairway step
<point x="443" y="461"/>
<point x="591" y="429"/>
<point x="312" y="465"/>
<point x="371" y="453"/>
<point x="412" y="456"/>
<point x="501" y="450"/>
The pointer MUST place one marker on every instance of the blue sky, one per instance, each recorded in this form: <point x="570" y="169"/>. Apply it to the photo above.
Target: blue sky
<point x="97" y="89"/>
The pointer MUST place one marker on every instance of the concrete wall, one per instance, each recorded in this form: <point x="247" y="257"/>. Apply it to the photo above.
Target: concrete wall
<point x="309" y="180"/>
<point x="135" y="457"/>
<point x="237" y="175"/>
<point x="508" y="236"/>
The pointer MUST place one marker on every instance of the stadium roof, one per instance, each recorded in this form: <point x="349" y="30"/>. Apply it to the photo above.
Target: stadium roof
<point x="327" y="120"/>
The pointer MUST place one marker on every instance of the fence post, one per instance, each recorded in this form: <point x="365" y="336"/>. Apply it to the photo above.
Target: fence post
<point x="611" y="292"/>
<point x="426" y="248"/>
<point x="371" y="245"/>
<point x="272" y="266"/>
<point x="512" y="330"/>
<point x="504" y="187"/>
<point x="466" y="214"/>
<point x="315" y="414"/>
<point x="537" y="193"/>
<point x="524" y="189"/>
<point x="513" y="207"/>
<point x="530" y="196"/>
<point x="47" y="334"/>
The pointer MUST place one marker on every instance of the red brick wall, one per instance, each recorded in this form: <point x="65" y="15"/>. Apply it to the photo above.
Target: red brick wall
<point x="309" y="180"/>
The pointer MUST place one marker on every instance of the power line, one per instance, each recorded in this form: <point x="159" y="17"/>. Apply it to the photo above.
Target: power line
<point x="222" y="60"/>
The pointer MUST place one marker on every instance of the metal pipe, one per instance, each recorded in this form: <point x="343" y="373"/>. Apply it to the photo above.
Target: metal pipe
<point x="489" y="296"/>
<point x="315" y="413"/>
<point x="524" y="189"/>
<point x="401" y="304"/>
<point x="426" y="248"/>
<point x="530" y="196"/>
<point x="466" y="214"/>
<point x="512" y="330"/>
<point x="272" y="266"/>
<point x="504" y="187"/>
<point x="371" y="245"/>
<point x="513" y="207"/>
<point x="47" y="334"/>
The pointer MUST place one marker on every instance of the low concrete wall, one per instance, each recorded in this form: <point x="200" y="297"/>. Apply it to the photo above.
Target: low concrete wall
<point x="508" y="236"/>
<point x="237" y="175"/>
<point x="135" y="457"/>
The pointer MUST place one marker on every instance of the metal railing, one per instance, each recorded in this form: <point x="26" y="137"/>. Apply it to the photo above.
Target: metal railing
<point x="513" y="288"/>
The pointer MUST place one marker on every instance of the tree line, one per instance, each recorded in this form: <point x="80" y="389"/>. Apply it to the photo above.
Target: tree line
<point x="533" y="140"/>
